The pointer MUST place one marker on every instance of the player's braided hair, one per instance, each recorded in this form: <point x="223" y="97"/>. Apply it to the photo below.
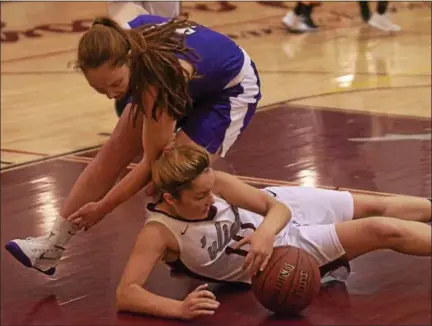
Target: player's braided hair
<point x="150" y="51"/>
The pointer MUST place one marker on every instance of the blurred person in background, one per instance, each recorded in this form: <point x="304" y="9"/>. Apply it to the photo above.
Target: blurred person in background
<point x="379" y="18"/>
<point x="300" y="19"/>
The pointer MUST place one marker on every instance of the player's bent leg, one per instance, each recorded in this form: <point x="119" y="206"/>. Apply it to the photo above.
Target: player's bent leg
<point x="400" y="207"/>
<point x="217" y="122"/>
<point x="322" y="243"/>
<point x="361" y="236"/>
<point x="124" y="11"/>
<point x="43" y="253"/>
<point x="334" y="245"/>
<point x="162" y="8"/>
<point x="182" y="138"/>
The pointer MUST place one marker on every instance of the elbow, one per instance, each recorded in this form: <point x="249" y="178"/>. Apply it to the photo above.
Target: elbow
<point x="282" y="209"/>
<point x="286" y="211"/>
<point x="121" y="298"/>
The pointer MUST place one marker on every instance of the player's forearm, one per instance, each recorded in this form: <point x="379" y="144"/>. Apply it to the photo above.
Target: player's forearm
<point x="276" y="218"/>
<point x="134" y="298"/>
<point x="133" y="182"/>
<point x="97" y="178"/>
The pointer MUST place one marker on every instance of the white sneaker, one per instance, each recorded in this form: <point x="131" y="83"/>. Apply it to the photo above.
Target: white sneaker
<point x="383" y="23"/>
<point x="38" y="253"/>
<point x="295" y="23"/>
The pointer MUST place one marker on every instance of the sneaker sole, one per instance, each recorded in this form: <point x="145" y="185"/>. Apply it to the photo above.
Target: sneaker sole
<point x="20" y="256"/>
<point x="377" y="26"/>
<point x="17" y="253"/>
<point x="298" y="31"/>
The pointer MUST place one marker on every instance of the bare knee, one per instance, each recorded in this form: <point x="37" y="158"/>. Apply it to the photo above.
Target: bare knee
<point x="383" y="229"/>
<point x="359" y="237"/>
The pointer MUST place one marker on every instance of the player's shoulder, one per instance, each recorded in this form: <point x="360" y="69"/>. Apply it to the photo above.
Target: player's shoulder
<point x="156" y="233"/>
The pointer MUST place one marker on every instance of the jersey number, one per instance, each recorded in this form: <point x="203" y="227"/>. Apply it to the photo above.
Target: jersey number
<point x="241" y="252"/>
<point x="186" y="31"/>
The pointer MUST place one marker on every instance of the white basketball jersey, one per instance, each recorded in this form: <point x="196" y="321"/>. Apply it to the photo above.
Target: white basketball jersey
<point x="206" y="246"/>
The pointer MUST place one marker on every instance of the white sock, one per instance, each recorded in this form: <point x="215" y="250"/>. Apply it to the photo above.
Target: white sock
<point x="61" y="232"/>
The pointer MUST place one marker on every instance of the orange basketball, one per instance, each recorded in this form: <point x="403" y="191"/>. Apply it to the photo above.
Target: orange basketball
<point x="290" y="281"/>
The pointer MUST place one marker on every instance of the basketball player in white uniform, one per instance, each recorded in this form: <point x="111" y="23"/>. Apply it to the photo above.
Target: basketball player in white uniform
<point x="220" y="229"/>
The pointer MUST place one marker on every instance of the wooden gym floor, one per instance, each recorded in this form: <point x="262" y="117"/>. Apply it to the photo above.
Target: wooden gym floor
<point x="347" y="106"/>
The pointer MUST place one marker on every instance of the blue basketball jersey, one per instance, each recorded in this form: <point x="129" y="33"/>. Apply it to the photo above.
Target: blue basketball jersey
<point x="220" y="58"/>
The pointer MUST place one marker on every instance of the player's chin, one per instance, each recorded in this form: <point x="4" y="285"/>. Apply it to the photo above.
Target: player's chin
<point x="197" y="213"/>
<point x="200" y="216"/>
<point x="119" y="97"/>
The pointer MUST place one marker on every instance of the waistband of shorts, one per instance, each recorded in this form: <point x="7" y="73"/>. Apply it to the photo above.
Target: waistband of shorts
<point x="246" y="66"/>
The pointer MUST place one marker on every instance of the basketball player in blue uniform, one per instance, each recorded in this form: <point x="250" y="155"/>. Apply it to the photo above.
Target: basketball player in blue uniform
<point x="222" y="230"/>
<point x="125" y="11"/>
<point x="176" y="78"/>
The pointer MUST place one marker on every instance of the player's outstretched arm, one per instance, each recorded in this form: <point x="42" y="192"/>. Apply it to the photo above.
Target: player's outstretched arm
<point x="151" y="244"/>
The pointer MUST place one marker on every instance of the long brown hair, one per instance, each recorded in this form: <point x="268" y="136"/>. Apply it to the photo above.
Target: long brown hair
<point x="150" y="51"/>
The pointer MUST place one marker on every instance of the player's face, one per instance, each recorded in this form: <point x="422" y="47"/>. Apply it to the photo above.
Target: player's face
<point x="109" y="80"/>
<point x="196" y="201"/>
